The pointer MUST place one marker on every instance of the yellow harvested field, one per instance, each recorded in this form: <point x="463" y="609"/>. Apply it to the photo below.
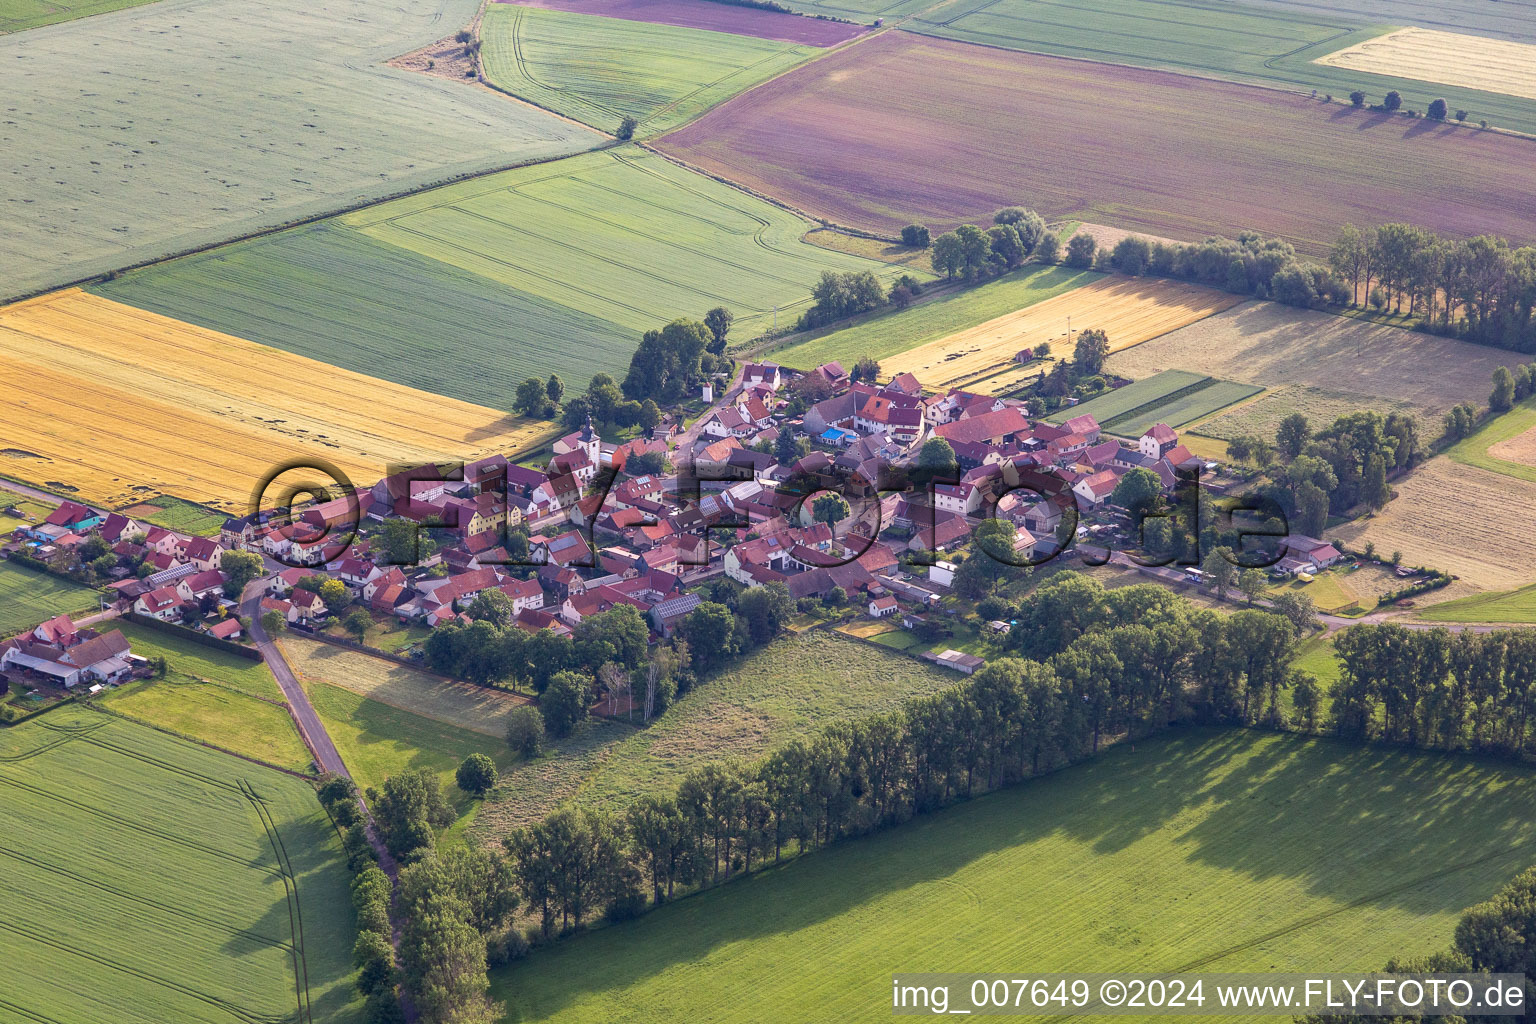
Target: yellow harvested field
<point x="1129" y="310"/>
<point x="477" y="708"/>
<point x="1449" y="58"/>
<point x="120" y="403"/>
<point x="1465" y="520"/>
<point x="1519" y="449"/>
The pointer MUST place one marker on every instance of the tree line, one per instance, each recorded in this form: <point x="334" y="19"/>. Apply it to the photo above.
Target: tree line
<point x="1479" y="288"/>
<point x="1436" y="689"/>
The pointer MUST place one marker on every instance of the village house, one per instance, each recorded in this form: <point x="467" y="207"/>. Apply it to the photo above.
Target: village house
<point x="97" y="659"/>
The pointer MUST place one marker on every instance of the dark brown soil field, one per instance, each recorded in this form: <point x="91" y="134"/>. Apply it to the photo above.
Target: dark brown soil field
<point x="744" y="21"/>
<point x="900" y="128"/>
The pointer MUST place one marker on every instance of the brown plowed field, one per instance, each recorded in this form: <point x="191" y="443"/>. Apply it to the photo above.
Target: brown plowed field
<point x="900" y="128"/>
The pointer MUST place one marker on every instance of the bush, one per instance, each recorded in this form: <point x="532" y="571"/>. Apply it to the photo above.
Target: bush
<point x="627" y="128"/>
<point x="1049" y="248"/>
<point x="1461" y="115"/>
<point x="383" y="1008"/>
<point x="915" y="236"/>
<point x="360" y="855"/>
<point x="373" y="955"/>
<point x="476" y="774"/>
<point x="1394" y="101"/>
<point x="1357" y="98"/>
<point x="1081" y="251"/>
<point x="1437" y="109"/>
<point x="626" y="907"/>
<point x="563" y="703"/>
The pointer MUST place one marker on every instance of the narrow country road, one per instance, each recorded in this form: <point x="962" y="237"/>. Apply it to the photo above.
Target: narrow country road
<point x="310" y="728"/>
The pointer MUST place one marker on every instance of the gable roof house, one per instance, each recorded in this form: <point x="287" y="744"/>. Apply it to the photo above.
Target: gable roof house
<point x="102" y="658"/>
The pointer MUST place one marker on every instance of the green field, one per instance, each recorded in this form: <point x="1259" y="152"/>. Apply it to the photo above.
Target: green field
<point x="185" y="517"/>
<point x="376" y="740"/>
<point x="864" y="12"/>
<point x="891" y="333"/>
<point x="1473" y="450"/>
<point x="146" y="880"/>
<point x="215" y="714"/>
<point x="623" y="235"/>
<point x="599" y="70"/>
<point x="333" y="294"/>
<point x="110" y="157"/>
<point x="1262" y="43"/>
<point x="1230" y="851"/>
<point x="550" y="269"/>
<point x="1513" y="606"/>
<point x="1132" y="397"/>
<point x="199" y="661"/>
<point x="28" y="597"/>
<point x="1184" y="408"/>
<point x="20" y="15"/>
<point x="785" y="691"/>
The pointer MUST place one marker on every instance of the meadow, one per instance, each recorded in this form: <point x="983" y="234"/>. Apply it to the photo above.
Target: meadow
<point x="623" y="235"/>
<point x="335" y="295"/>
<point x="890" y="333"/>
<point x="123" y="404"/>
<point x="377" y="740"/>
<point x="1274" y="45"/>
<point x="1505" y="444"/>
<point x="476" y="708"/>
<point x="20" y="15"/>
<point x="1226" y="851"/>
<point x="28" y="597"/>
<point x="600" y="70"/>
<point x="1135" y="395"/>
<point x="147" y="879"/>
<point x="186" y="657"/>
<point x="1468" y="521"/>
<point x="788" y="690"/>
<point x="111" y="158"/>
<point x="1129" y="310"/>
<point x="1320" y="365"/>
<point x="1136" y="149"/>
<point x="1512" y="606"/>
<point x="217" y="715"/>
<point x="181" y="516"/>
<point x="1261" y="417"/>
<point x="1185" y="407"/>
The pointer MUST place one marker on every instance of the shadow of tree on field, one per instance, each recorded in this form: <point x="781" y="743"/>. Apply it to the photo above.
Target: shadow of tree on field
<point x="1339" y="822"/>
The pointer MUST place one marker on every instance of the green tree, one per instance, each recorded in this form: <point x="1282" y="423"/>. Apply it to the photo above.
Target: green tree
<point x="492" y="606"/>
<point x="404" y="542"/>
<point x="564" y="702"/>
<point x="358" y="622"/>
<point x="1080" y="251"/>
<point x="1503" y="397"/>
<point x="554" y="389"/>
<point x="830" y="509"/>
<point x="710" y="629"/>
<point x="914" y="236"/>
<point x="240" y="567"/>
<point x="1438" y="109"/>
<point x="476" y="774"/>
<point x="1219" y="570"/>
<point x="1375" y="490"/>
<point x="1049" y="248"/>
<point x="1292" y="434"/>
<point x="1131" y="255"/>
<point x="719" y="321"/>
<point x="975" y="249"/>
<point x="1393" y="101"/>
<point x="525" y="732"/>
<point x="946" y="257"/>
<point x="765" y="609"/>
<point x="408" y="810"/>
<point x="530" y="398"/>
<point x="1092" y="350"/>
<point x="274" y="622"/>
<point x="626" y="129"/>
<point x="1139" y="491"/>
<point x="1311" y="509"/>
<point x="618" y="634"/>
<point x="1252" y="583"/>
<point x="1357" y="98"/>
<point x="866" y="369"/>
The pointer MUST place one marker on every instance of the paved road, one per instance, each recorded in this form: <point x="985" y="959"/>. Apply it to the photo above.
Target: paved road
<point x="310" y="727"/>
